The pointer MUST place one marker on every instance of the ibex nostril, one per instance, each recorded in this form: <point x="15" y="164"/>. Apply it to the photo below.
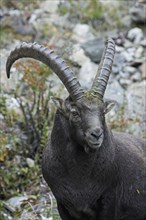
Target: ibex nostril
<point x="96" y="134"/>
<point x="93" y="134"/>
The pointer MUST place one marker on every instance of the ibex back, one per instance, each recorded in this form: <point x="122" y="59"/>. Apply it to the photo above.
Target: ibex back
<point x="95" y="174"/>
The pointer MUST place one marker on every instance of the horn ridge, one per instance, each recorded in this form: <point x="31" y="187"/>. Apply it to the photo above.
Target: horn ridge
<point x="104" y="69"/>
<point x="48" y="57"/>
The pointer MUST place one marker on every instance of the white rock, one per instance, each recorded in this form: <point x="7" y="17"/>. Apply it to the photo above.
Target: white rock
<point x="12" y="103"/>
<point x="14" y="12"/>
<point x="124" y="74"/>
<point x="17" y="201"/>
<point x="136" y="96"/>
<point x="130" y="69"/>
<point x="135" y="35"/>
<point x="82" y="33"/>
<point x="28" y="215"/>
<point x="78" y="56"/>
<point x="30" y="162"/>
<point x="131" y="50"/>
<point x="50" y="6"/>
<point x="143" y="69"/>
<point x="44" y="218"/>
<point x="127" y="56"/>
<point x="115" y="91"/>
<point x="115" y="70"/>
<point x="139" y="52"/>
<point x="125" y="82"/>
<point x="136" y="107"/>
<point x="32" y="19"/>
<point x="138" y="12"/>
<point x="35" y="16"/>
<point x="119" y="49"/>
<point x="128" y="44"/>
<point x="143" y="42"/>
<point x="87" y="74"/>
<point x="136" y="77"/>
<point x="1" y="117"/>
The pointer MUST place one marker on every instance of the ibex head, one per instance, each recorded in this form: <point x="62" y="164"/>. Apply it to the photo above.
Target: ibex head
<point x="85" y="110"/>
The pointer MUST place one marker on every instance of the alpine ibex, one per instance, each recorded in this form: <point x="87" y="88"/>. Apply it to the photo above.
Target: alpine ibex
<point x="94" y="173"/>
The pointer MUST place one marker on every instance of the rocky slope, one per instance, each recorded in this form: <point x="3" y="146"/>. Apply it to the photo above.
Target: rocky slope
<point x="80" y="39"/>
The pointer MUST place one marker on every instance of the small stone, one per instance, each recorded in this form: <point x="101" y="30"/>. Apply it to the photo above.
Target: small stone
<point x="136" y="96"/>
<point x="128" y="44"/>
<point x="94" y="49"/>
<point x="138" y="13"/>
<point x="136" y="77"/>
<point x="119" y="49"/>
<point x="143" y="70"/>
<point x="124" y="74"/>
<point x="125" y="82"/>
<point x="82" y="33"/>
<point x="135" y="35"/>
<point x="87" y="74"/>
<point x="33" y="19"/>
<point x="136" y="62"/>
<point x="44" y="218"/>
<point x="50" y="6"/>
<point x="143" y="42"/>
<point x="15" y="12"/>
<point x="139" y="52"/>
<point x="127" y="56"/>
<point x="19" y="24"/>
<point x="78" y="56"/>
<point x="131" y="50"/>
<point x="17" y="201"/>
<point x="28" y="215"/>
<point x="130" y="69"/>
<point x="119" y="60"/>
<point x="30" y="162"/>
<point x="12" y="104"/>
<point x="1" y="117"/>
<point x="126" y="21"/>
<point x="115" y="70"/>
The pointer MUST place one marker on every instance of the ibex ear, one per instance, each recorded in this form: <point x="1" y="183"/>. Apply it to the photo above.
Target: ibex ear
<point x="108" y="105"/>
<point x="59" y="103"/>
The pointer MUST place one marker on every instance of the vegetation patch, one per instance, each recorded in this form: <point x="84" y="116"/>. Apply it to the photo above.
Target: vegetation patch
<point x="19" y="4"/>
<point x="5" y="36"/>
<point x="24" y="136"/>
<point x="84" y="11"/>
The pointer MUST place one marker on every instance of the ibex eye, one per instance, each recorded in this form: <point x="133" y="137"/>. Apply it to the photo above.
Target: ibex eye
<point x="74" y="112"/>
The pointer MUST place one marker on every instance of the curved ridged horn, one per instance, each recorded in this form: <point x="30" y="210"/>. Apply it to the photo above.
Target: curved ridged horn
<point x="104" y="70"/>
<point x="48" y="57"/>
